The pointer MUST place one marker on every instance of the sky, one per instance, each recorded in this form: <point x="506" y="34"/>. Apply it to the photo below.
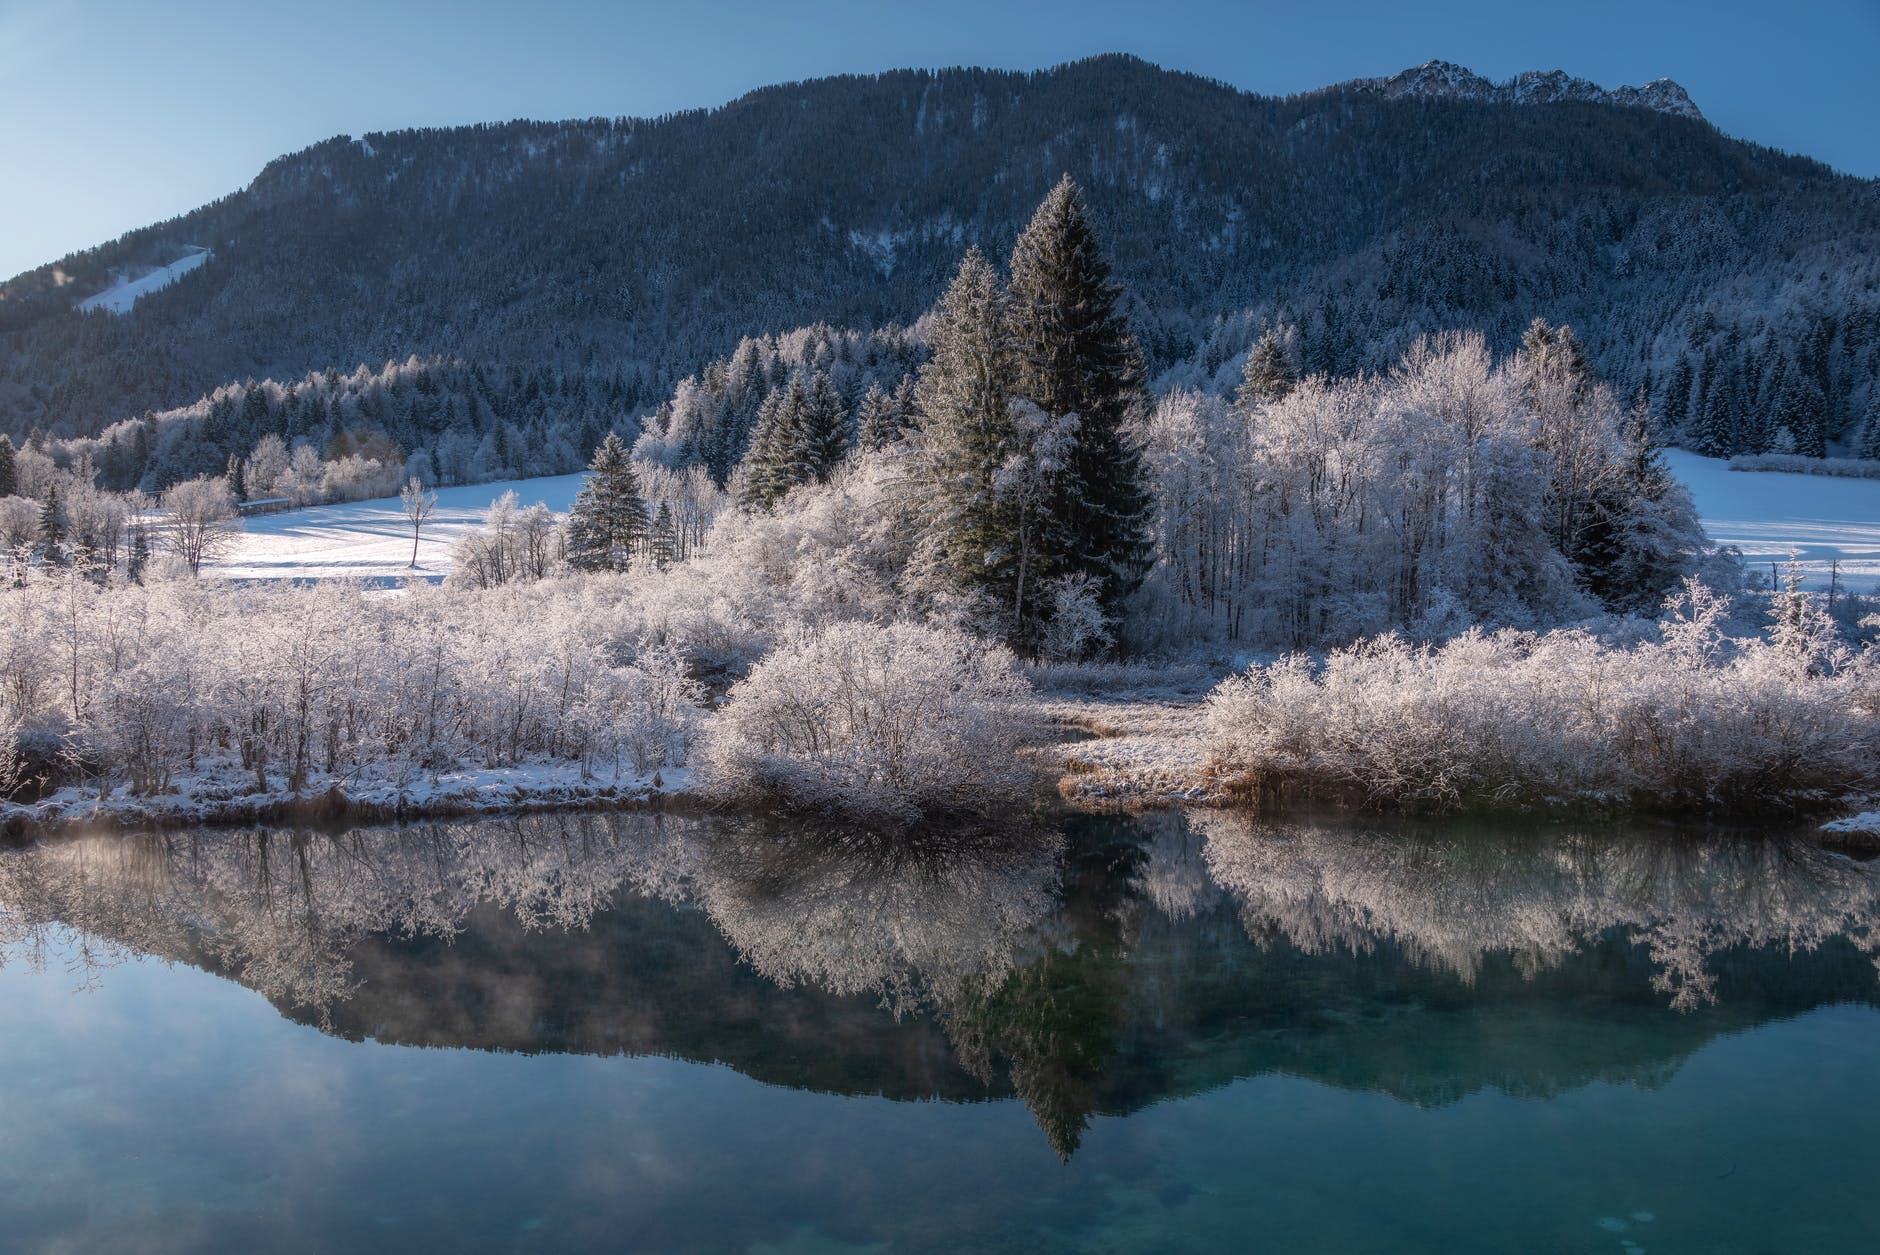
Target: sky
<point x="118" y="113"/>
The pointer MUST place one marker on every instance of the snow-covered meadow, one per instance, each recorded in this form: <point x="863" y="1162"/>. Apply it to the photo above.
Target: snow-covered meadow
<point x="371" y="540"/>
<point x="1763" y="513"/>
<point x="1825" y="519"/>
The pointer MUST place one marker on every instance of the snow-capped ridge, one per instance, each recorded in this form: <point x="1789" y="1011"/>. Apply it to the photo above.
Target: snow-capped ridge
<point x="1449" y="81"/>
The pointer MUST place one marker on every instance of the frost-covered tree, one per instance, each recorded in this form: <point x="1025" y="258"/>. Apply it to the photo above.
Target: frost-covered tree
<point x="963" y="437"/>
<point x="418" y="505"/>
<point x="1269" y="373"/>
<point x="202" y="521"/>
<point x="607" y="524"/>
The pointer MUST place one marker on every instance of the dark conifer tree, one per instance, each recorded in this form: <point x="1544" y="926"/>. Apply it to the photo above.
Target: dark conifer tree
<point x="607" y="524"/>
<point x="1268" y="375"/>
<point x="1869" y="446"/>
<point x="52" y="529"/>
<point x="962" y="434"/>
<point x="663" y="541"/>
<point x="824" y="432"/>
<point x="1677" y="402"/>
<point x="878" y="421"/>
<point x="774" y="463"/>
<point x="9" y="471"/>
<point x="1715" y="434"/>
<point x="1075" y="355"/>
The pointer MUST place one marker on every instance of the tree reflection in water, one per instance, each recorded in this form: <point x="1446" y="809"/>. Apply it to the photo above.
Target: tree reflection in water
<point x="1088" y="970"/>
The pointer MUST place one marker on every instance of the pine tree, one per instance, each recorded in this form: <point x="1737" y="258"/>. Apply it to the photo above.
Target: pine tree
<point x="1642" y="530"/>
<point x="1677" y="405"/>
<point x="962" y="434"/>
<point x="1075" y="355"/>
<point x="607" y="524"/>
<point x="878" y="420"/>
<point x="9" y="472"/>
<point x="237" y="479"/>
<point x="774" y="462"/>
<point x="663" y="542"/>
<point x="1869" y="446"/>
<point x="52" y="529"/>
<point x="823" y="432"/>
<point x="139" y="555"/>
<point x="1268" y="376"/>
<point x="1715" y="436"/>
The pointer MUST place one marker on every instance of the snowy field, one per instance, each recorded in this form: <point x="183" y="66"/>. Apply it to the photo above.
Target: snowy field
<point x="119" y="297"/>
<point x="1765" y="513"/>
<point x="372" y="539"/>
<point x="1762" y="513"/>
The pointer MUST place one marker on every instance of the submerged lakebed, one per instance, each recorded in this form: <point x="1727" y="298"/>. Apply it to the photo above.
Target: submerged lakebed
<point x="1178" y="1031"/>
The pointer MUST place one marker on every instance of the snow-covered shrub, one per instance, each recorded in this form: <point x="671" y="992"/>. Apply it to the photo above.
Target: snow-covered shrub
<point x="300" y="688"/>
<point x="891" y="722"/>
<point x="12" y="759"/>
<point x="1523" y="721"/>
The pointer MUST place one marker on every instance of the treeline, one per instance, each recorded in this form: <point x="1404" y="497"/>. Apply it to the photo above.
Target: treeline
<point x="343" y="436"/>
<point x="1024" y="485"/>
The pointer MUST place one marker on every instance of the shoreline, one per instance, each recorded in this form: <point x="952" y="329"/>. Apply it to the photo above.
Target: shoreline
<point x="1096" y="753"/>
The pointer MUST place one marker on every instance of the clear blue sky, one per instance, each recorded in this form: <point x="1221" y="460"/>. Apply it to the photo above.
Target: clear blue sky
<point x="117" y="113"/>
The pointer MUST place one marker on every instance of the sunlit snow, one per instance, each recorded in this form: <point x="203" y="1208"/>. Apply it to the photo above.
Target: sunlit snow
<point x="1765" y="513"/>
<point x="372" y="539"/>
<point x="1762" y="513"/>
<point x="120" y="296"/>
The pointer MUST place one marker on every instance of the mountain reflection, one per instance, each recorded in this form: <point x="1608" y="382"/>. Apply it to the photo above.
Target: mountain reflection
<point x="1087" y="971"/>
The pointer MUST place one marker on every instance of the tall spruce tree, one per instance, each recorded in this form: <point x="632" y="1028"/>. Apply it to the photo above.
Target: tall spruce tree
<point x="663" y="541"/>
<point x="52" y="529"/>
<point x="824" y="430"/>
<point x="9" y="468"/>
<point x="878" y="421"/>
<point x="962" y="435"/>
<point x="607" y="525"/>
<point x="773" y="461"/>
<point x="1075" y="355"/>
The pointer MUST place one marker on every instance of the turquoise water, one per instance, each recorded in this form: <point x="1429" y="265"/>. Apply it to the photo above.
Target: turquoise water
<point x="1211" y="1033"/>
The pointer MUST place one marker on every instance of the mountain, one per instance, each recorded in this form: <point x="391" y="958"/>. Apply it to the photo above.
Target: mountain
<point x="1446" y="80"/>
<point x="592" y="264"/>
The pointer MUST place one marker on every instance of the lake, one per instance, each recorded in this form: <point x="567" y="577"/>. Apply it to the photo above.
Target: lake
<point x="1173" y="1033"/>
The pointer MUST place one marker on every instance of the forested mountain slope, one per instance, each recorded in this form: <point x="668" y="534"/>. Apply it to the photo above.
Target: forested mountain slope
<point x="609" y="258"/>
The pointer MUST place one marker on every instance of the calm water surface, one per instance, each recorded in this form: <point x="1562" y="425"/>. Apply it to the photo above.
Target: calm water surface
<point x="1174" y="1034"/>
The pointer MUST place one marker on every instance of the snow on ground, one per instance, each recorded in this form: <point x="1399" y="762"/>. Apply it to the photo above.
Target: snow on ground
<point x="371" y="540"/>
<point x="224" y="792"/>
<point x="1763" y="513"/>
<point x="1766" y="513"/>
<point x="1123" y="738"/>
<point x="120" y="296"/>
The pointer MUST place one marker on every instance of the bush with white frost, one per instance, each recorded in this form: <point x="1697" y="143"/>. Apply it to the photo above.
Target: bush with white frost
<point x="1519" y="720"/>
<point x="894" y="722"/>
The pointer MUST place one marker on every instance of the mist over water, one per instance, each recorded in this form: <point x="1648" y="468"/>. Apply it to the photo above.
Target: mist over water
<point x="1177" y="1032"/>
